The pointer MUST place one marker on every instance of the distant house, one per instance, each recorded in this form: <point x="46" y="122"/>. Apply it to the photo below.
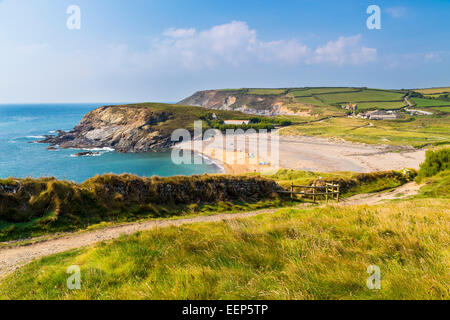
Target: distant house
<point x="350" y="107"/>
<point x="237" y="122"/>
<point x="380" y="115"/>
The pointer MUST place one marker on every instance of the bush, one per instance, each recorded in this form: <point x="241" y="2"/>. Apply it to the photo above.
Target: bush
<point x="435" y="162"/>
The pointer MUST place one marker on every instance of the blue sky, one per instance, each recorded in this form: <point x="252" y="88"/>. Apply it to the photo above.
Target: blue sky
<point x="164" y="50"/>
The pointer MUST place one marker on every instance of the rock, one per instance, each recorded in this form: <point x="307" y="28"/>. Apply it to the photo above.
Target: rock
<point x="85" y="154"/>
<point x="51" y="148"/>
<point x="122" y="128"/>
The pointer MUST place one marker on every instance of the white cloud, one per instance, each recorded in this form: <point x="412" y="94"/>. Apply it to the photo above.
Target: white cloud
<point x="397" y="12"/>
<point x="346" y="50"/>
<point x="235" y="43"/>
<point x="224" y="55"/>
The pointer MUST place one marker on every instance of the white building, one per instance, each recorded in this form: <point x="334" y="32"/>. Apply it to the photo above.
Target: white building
<point x="237" y="122"/>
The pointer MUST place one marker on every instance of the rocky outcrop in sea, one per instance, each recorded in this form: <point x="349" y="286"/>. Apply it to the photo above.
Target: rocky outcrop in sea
<point x="122" y="128"/>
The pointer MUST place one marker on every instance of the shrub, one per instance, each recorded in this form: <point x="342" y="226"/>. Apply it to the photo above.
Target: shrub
<point x="435" y="162"/>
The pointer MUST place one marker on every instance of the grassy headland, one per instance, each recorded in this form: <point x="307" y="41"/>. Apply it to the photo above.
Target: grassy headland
<point x="319" y="112"/>
<point x="320" y="253"/>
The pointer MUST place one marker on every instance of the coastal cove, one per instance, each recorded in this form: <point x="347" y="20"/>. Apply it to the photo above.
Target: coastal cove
<point x="21" y="125"/>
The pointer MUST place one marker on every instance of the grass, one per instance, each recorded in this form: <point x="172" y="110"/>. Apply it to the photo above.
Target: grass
<point x="310" y="253"/>
<point x="436" y="95"/>
<point x="437" y="186"/>
<point x="310" y="100"/>
<point x="415" y="132"/>
<point x="421" y="102"/>
<point x="266" y="91"/>
<point x="320" y="253"/>
<point x="184" y="116"/>
<point x="46" y="206"/>
<point x="36" y="207"/>
<point x="442" y="109"/>
<point x="434" y="90"/>
<point x="312" y="91"/>
<point x="381" y="105"/>
<point x="363" y="96"/>
<point x="351" y="183"/>
<point x="435" y="161"/>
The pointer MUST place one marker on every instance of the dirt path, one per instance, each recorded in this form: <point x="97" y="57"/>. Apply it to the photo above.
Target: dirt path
<point x="13" y="258"/>
<point x="401" y="192"/>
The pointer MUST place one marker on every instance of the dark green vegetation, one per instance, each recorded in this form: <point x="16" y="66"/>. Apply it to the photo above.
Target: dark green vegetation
<point x="435" y="162"/>
<point x="256" y="123"/>
<point x="32" y="207"/>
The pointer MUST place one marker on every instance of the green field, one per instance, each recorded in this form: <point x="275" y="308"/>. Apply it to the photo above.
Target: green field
<point x="442" y="109"/>
<point x="309" y="92"/>
<point x="434" y="96"/>
<point x="365" y="95"/>
<point x="266" y="91"/>
<point x="310" y="100"/>
<point x="414" y="132"/>
<point x="433" y="90"/>
<point x="381" y="105"/>
<point x="420" y="102"/>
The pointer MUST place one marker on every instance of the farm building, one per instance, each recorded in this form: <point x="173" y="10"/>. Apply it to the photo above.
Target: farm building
<point x="380" y="115"/>
<point x="237" y="122"/>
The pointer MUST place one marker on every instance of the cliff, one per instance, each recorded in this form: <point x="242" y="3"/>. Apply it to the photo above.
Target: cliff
<point x="132" y="128"/>
<point x="123" y="128"/>
<point x="256" y="101"/>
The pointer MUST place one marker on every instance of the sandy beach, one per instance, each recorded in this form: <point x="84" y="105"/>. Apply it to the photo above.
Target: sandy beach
<point x="240" y="154"/>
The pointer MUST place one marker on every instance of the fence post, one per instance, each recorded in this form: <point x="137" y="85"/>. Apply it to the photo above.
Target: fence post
<point x="314" y="194"/>
<point x="292" y="190"/>
<point x="338" y="192"/>
<point x="326" y="196"/>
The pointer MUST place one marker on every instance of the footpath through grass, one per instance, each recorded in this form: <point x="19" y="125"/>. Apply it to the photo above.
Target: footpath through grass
<point x="319" y="253"/>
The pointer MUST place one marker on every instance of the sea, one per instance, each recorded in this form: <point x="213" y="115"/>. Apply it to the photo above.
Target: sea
<point x="21" y="125"/>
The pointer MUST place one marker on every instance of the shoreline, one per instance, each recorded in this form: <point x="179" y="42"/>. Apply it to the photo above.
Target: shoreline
<point x="308" y="154"/>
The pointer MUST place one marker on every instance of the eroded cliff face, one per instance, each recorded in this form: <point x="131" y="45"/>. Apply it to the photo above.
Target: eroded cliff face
<point x="237" y="100"/>
<point x="122" y="128"/>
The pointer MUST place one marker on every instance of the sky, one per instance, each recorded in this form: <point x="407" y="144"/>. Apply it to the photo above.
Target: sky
<point x="165" y="50"/>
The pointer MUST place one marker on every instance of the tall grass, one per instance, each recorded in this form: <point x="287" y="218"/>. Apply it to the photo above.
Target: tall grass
<point x="294" y="254"/>
<point x="32" y="207"/>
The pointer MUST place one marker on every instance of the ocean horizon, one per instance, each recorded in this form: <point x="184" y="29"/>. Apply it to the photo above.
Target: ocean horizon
<point x="23" y="124"/>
